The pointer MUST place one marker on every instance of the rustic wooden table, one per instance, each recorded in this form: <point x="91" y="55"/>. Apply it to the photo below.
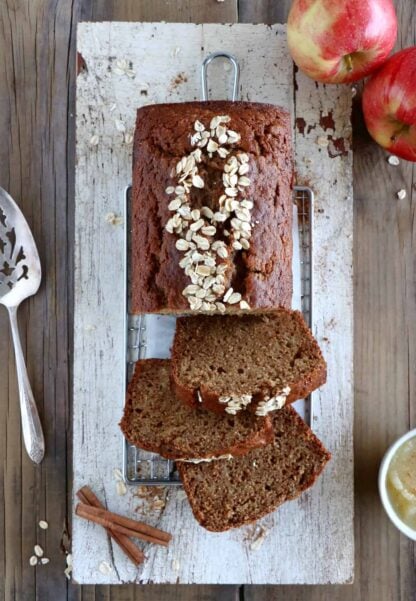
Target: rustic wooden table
<point x="37" y="49"/>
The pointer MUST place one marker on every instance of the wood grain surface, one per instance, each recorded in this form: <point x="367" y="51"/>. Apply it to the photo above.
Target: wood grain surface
<point x="36" y="165"/>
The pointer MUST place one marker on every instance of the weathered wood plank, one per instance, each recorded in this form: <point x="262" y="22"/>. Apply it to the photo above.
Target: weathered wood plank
<point x="104" y="99"/>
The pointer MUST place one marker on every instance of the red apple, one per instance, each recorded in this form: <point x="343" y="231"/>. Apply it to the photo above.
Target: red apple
<point x="339" y="41"/>
<point x="389" y="104"/>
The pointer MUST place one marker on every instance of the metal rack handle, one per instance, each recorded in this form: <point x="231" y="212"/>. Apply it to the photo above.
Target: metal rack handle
<point x="204" y="73"/>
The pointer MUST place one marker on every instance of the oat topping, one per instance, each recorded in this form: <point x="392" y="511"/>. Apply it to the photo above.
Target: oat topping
<point x="273" y="403"/>
<point x="235" y="403"/>
<point x="227" y="456"/>
<point x="200" y="231"/>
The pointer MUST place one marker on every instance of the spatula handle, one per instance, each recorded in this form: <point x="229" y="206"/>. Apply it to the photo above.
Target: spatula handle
<point x="31" y="426"/>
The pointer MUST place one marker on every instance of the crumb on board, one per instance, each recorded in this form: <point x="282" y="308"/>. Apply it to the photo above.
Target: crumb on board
<point x="393" y="160"/>
<point x="151" y="499"/>
<point x="114" y="219"/>
<point x="259" y="538"/>
<point x="178" y="80"/>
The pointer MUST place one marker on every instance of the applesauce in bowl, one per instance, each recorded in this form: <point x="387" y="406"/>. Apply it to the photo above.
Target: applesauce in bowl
<point x="397" y="483"/>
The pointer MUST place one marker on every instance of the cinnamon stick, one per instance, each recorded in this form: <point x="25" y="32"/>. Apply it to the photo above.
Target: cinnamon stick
<point x="122" y="525"/>
<point x="135" y="554"/>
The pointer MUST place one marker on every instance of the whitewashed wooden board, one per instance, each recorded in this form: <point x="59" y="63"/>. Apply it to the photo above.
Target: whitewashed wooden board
<point x="309" y="540"/>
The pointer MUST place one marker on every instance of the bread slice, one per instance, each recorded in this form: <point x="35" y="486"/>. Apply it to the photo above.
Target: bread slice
<point x="156" y="421"/>
<point x="228" y="494"/>
<point x="227" y="363"/>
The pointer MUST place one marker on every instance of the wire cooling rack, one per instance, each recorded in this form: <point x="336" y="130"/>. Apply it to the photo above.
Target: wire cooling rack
<point x="142" y="467"/>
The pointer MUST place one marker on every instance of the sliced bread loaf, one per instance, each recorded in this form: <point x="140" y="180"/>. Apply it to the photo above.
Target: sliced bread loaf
<point x="156" y="421"/>
<point x="230" y="493"/>
<point x="227" y="363"/>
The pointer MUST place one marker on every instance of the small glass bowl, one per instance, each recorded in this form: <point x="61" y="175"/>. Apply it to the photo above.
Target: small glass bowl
<point x="382" y="485"/>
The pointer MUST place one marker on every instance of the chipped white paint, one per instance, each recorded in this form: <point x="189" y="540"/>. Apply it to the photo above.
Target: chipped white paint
<point x="310" y="540"/>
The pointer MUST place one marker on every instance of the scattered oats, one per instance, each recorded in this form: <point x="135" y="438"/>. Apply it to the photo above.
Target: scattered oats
<point x="175" y="563"/>
<point x="244" y="305"/>
<point x="322" y="141"/>
<point x="197" y="181"/>
<point x="190" y="290"/>
<point x="170" y="190"/>
<point x="43" y="525"/>
<point x="393" y="160"/>
<point x="195" y="303"/>
<point x="201" y="242"/>
<point x="122" y="67"/>
<point x="237" y="245"/>
<point x="182" y="244"/>
<point x="198" y="126"/>
<point x="220" y="307"/>
<point x="220" y="216"/>
<point x="113" y="219"/>
<point x="94" y="140"/>
<point x="245" y="243"/>
<point x="222" y="252"/>
<point x="195" y="214"/>
<point x="105" y="567"/>
<point x="234" y="298"/>
<point x="401" y="194"/>
<point x="120" y="125"/>
<point x="227" y="295"/>
<point x="212" y="146"/>
<point x="209" y="230"/>
<point x="244" y="181"/>
<point x="118" y="474"/>
<point x="38" y="550"/>
<point x="259" y="540"/>
<point x="44" y="560"/>
<point x="174" y="204"/>
<point x="197" y="225"/>
<point x="243" y="169"/>
<point x="128" y="138"/>
<point x="174" y="53"/>
<point x="203" y="270"/>
<point x="223" y="152"/>
<point x="121" y="488"/>
<point x="33" y="560"/>
<point x="233" y="136"/>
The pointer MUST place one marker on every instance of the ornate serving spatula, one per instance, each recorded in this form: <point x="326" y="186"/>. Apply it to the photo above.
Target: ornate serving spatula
<point x="20" y="276"/>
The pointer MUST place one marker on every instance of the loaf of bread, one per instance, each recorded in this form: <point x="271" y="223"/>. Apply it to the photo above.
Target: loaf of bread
<point x="211" y="208"/>
<point x="233" y="362"/>
<point x="227" y="494"/>
<point x="156" y="421"/>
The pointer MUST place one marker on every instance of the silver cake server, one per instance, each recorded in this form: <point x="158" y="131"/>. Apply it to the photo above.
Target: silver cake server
<point x="20" y="276"/>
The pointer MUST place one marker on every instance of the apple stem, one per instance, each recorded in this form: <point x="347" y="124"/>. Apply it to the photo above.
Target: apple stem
<point x="404" y="128"/>
<point x="348" y="62"/>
